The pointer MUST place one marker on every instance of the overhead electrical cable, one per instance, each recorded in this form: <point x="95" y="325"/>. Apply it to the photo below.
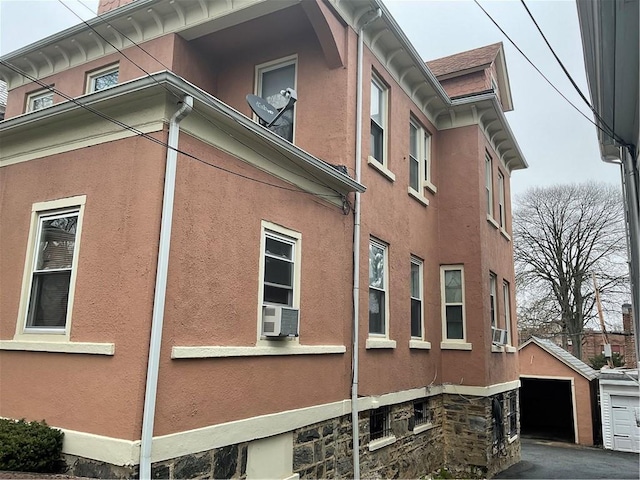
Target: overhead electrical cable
<point x="150" y="137"/>
<point x="317" y="181"/>
<point x="539" y="71"/>
<point x="575" y="85"/>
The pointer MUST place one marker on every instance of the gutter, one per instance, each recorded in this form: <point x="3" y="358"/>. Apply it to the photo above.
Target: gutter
<point x="157" y="321"/>
<point x="355" y="424"/>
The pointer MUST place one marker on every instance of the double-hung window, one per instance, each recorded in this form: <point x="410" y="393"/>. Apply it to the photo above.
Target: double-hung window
<point x="502" y="216"/>
<point x="378" y="283"/>
<point x="506" y="309"/>
<point x="488" y="181"/>
<point x="51" y="264"/>
<point x="416" y="298"/>
<point x="378" y="120"/>
<point x="492" y="299"/>
<point x="419" y="157"/>
<point x="272" y="79"/>
<point x="452" y="278"/>
<point x="104" y="78"/>
<point x="279" y="269"/>
<point x="39" y="100"/>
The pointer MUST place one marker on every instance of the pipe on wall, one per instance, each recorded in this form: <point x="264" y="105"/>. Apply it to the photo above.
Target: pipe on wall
<point x="155" y="341"/>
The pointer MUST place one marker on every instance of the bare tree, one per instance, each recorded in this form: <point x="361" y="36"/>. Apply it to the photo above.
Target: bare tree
<point x="563" y="235"/>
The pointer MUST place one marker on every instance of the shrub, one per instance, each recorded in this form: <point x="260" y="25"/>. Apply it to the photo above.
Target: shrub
<point x="600" y="361"/>
<point x="30" y="447"/>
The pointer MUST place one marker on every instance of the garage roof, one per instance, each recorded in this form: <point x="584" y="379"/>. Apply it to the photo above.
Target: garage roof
<point x="565" y="357"/>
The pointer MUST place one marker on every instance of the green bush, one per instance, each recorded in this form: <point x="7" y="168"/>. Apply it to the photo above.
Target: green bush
<point x="600" y="361"/>
<point x="30" y="447"/>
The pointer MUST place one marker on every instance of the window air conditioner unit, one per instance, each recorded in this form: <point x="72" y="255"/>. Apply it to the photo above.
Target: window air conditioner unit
<point x="499" y="336"/>
<point x="279" y="321"/>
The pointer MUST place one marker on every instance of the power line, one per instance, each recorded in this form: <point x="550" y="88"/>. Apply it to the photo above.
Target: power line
<point x="317" y="181"/>
<point x="538" y="70"/>
<point x="151" y="138"/>
<point x="611" y="132"/>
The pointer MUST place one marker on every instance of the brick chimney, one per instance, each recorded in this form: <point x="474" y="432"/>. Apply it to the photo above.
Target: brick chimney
<point x="629" y="341"/>
<point x="106" y="5"/>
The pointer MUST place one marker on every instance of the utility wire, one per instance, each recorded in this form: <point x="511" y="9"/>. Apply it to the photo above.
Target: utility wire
<point x="611" y="132"/>
<point x="149" y="137"/>
<point x="318" y="181"/>
<point x="538" y="70"/>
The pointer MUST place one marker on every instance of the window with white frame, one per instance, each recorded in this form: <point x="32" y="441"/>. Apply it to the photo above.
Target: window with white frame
<point x="488" y="181"/>
<point x="502" y="216"/>
<point x="279" y="276"/>
<point x="419" y="157"/>
<point x="452" y="278"/>
<point x="104" y="78"/>
<point x="378" y="284"/>
<point x="379" y="423"/>
<point x="272" y="79"/>
<point x="51" y="265"/>
<point x="39" y="100"/>
<point x="421" y="412"/>
<point x="493" y="280"/>
<point x="506" y="309"/>
<point x="378" y="120"/>
<point x="416" y="298"/>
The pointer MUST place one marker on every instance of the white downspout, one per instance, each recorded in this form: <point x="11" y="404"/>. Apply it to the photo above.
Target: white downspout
<point x="356" y="257"/>
<point x="155" y="341"/>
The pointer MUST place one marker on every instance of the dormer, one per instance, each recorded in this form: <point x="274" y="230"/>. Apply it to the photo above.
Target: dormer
<point x="475" y="71"/>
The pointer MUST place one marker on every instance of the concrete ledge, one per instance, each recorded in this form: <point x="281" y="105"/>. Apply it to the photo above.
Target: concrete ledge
<point x="259" y="351"/>
<point x="388" y="174"/>
<point x="381" y="442"/>
<point x="59" y="347"/>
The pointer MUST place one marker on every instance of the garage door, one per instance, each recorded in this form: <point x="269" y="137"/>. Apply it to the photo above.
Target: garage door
<point x="625" y="416"/>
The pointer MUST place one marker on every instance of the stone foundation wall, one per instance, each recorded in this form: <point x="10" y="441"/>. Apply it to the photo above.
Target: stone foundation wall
<point x="460" y="437"/>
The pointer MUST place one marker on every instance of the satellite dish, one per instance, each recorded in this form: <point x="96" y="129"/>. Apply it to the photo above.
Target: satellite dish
<point x="267" y="112"/>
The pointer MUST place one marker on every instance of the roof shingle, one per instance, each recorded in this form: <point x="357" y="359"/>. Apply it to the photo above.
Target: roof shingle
<point x="464" y="60"/>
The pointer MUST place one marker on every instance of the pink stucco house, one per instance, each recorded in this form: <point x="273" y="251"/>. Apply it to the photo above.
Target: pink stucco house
<point x="189" y="294"/>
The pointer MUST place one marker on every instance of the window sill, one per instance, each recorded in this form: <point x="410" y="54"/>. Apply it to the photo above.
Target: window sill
<point x="59" y="347"/>
<point x="510" y="349"/>
<point x="422" y="428"/>
<point x="259" y="351"/>
<point x="497" y="348"/>
<point x="419" y="344"/>
<point x="388" y="174"/>
<point x="513" y="439"/>
<point x="373" y="342"/>
<point x="423" y="200"/>
<point x="493" y="223"/>
<point x="455" y="346"/>
<point x="381" y="442"/>
<point x="431" y="187"/>
<point x="505" y="234"/>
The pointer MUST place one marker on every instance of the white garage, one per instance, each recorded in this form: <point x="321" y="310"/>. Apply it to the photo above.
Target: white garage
<point x="620" y="407"/>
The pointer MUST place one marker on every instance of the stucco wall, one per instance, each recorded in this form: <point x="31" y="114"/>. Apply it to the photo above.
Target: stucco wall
<point x="534" y="361"/>
<point x="114" y="287"/>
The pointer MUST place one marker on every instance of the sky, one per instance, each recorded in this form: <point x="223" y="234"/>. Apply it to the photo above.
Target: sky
<point x="558" y="143"/>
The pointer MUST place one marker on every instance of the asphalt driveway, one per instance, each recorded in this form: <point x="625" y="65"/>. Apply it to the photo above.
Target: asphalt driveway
<point x="545" y="459"/>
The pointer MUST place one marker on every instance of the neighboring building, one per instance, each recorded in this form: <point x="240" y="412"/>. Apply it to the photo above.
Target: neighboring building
<point x="610" y="31"/>
<point x="557" y="396"/>
<point x="3" y="99"/>
<point x="620" y="404"/>
<point x="139" y="281"/>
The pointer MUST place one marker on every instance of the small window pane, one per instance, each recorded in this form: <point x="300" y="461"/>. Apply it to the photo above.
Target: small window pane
<point x="107" y="80"/>
<point x="414" y="174"/>
<point x="376" y="311"/>
<point x="415" y="281"/>
<point x="453" y="286"/>
<point x="427" y="156"/>
<point x="454" y="322"/>
<point x="278" y="248"/>
<point x="272" y="82"/>
<point x="278" y="271"/>
<point x="376" y="266"/>
<point x="279" y="295"/>
<point x="41" y="101"/>
<point x="413" y="141"/>
<point x="376" y="141"/>
<point x="416" y="318"/>
<point x="57" y="243"/>
<point x="376" y="103"/>
<point x="49" y="299"/>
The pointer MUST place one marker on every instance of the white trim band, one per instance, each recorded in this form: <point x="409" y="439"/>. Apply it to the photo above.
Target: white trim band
<point x="59" y="347"/>
<point x="258" y="351"/>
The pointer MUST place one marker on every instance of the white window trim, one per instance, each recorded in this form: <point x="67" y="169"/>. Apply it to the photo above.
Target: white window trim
<point x="388" y="174"/>
<point x="43" y="334"/>
<point x="424" y="163"/>
<point x="506" y="308"/>
<point x="32" y="97"/>
<point x="291" y="236"/>
<point x="384" y="91"/>
<point x="488" y="183"/>
<point x="381" y="442"/>
<point x="274" y="65"/>
<point x="420" y="264"/>
<point x="502" y="214"/>
<point x="381" y="340"/>
<point x="92" y="76"/>
<point x="453" y="343"/>
<point x="493" y="294"/>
